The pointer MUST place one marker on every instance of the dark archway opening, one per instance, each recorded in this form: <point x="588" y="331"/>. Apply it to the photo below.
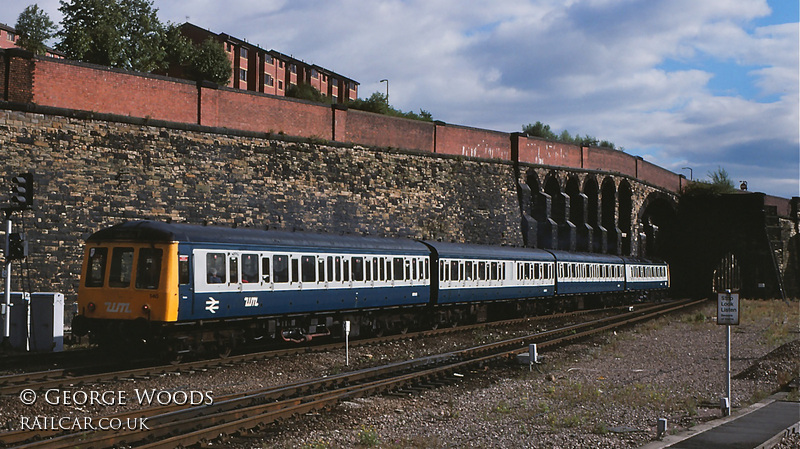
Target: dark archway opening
<point x="578" y="216"/>
<point x="608" y="208"/>
<point x="625" y="200"/>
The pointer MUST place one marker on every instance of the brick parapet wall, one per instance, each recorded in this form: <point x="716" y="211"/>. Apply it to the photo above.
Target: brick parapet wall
<point x="366" y="128"/>
<point x="472" y="142"/>
<point x="73" y="85"/>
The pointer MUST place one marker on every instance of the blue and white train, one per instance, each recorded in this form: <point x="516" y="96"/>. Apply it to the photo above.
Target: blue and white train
<point x="200" y="286"/>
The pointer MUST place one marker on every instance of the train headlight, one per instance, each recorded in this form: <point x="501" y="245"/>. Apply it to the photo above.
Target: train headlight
<point x="146" y="309"/>
<point x="91" y="307"/>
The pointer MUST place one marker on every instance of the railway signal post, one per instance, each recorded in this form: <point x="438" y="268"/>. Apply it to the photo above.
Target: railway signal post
<point x="16" y="246"/>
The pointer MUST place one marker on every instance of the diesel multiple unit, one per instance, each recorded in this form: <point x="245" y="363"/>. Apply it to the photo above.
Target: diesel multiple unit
<point x="199" y="287"/>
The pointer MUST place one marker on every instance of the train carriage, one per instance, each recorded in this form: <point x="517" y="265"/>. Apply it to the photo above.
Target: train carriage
<point x="588" y="273"/>
<point x="647" y="275"/>
<point x="478" y="273"/>
<point x="187" y="274"/>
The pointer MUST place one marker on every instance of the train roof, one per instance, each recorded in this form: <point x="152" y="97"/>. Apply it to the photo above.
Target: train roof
<point x="466" y="251"/>
<point x="637" y="260"/>
<point x="563" y="256"/>
<point x="154" y="231"/>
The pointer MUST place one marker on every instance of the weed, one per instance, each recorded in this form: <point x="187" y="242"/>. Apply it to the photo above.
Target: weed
<point x="317" y="444"/>
<point x="503" y="407"/>
<point x="368" y="436"/>
<point x="601" y="429"/>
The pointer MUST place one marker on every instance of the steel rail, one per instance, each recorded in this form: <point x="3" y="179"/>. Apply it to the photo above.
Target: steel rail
<point x="42" y="380"/>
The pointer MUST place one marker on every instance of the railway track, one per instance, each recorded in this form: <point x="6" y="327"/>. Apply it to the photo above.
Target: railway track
<point x="172" y="426"/>
<point x="95" y="373"/>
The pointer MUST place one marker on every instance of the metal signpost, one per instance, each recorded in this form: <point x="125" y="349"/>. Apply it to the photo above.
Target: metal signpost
<point x="728" y="315"/>
<point x="347" y="343"/>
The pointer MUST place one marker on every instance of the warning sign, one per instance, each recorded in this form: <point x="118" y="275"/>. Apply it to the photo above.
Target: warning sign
<point x="728" y="308"/>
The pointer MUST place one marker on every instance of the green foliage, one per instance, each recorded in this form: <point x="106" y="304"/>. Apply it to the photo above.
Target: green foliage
<point x="368" y="436"/>
<point x="34" y="27"/>
<point x="542" y="130"/>
<point x="719" y="183"/>
<point x="211" y="63"/>
<point x="378" y="104"/>
<point x="307" y="92"/>
<point x="178" y="49"/>
<point x="143" y="36"/>
<point x="129" y="35"/>
<point x="92" y="31"/>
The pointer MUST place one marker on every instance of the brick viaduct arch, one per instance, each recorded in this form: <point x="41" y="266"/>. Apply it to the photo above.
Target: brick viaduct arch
<point x="594" y="211"/>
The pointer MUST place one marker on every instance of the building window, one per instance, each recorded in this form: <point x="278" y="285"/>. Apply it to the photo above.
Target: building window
<point x="268" y="80"/>
<point x="280" y="85"/>
<point x="11" y="36"/>
<point x="228" y="47"/>
<point x="243" y="74"/>
<point x="314" y="73"/>
<point x="280" y="64"/>
<point x="268" y="60"/>
<point x="243" y="52"/>
<point x="293" y="68"/>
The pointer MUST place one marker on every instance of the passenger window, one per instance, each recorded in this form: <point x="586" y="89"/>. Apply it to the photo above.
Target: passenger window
<point x="337" y="266"/>
<point x="494" y="271"/>
<point x="388" y="269"/>
<point x="320" y="269"/>
<point x="346" y="268"/>
<point x="309" y="268"/>
<point x="367" y="269"/>
<point x="215" y="268"/>
<point x="358" y="268"/>
<point x="295" y="273"/>
<point x="119" y="275"/>
<point x="454" y="270"/>
<point x="265" y="269"/>
<point x="330" y="268"/>
<point x="398" y="269"/>
<point x="148" y="269"/>
<point x="96" y="268"/>
<point x="375" y="266"/>
<point x="233" y="265"/>
<point x="249" y="268"/>
<point x="280" y="268"/>
<point x="427" y="270"/>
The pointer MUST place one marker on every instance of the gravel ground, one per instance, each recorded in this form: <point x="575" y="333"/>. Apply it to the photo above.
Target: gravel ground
<point x="608" y="392"/>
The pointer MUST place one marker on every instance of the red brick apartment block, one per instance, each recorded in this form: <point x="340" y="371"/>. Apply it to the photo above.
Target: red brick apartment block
<point x="271" y="72"/>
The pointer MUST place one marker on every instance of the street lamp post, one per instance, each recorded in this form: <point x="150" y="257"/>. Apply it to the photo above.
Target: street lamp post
<point x="691" y="178"/>
<point x="387" y="89"/>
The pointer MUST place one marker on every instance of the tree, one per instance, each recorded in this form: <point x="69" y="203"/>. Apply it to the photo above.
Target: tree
<point x="143" y="37"/>
<point x="116" y="33"/>
<point x="719" y="183"/>
<point x="307" y="92"/>
<point x="539" y="129"/>
<point x="210" y="62"/>
<point x="92" y="31"/>
<point x="379" y="104"/>
<point x="34" y="27"/>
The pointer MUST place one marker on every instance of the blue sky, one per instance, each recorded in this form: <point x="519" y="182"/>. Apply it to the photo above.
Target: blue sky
<point x="681" y="83"/>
